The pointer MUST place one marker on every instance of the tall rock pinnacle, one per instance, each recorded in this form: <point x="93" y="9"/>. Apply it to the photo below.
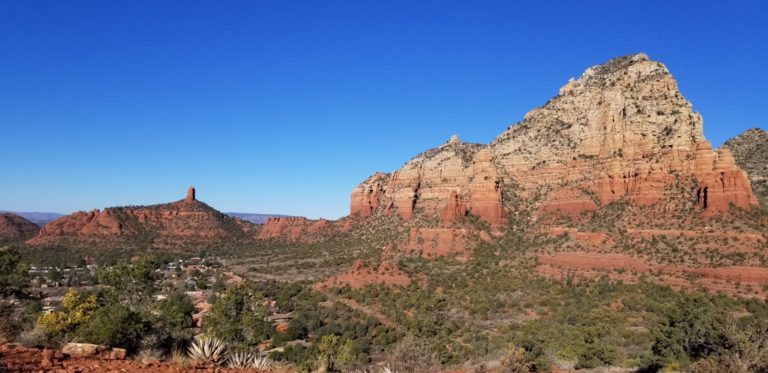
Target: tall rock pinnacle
<point x="191" y="194"/>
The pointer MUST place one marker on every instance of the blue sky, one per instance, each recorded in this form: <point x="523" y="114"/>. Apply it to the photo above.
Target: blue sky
<point x="283" y="107"/>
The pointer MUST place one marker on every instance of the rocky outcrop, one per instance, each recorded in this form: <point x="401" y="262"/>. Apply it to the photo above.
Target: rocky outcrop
<point x="190" y="195"/>
<point x="300" y="229"/>
<point x="750" y="150"/>
<point x="14" y="227"/>
<point x="88" y="349"/>
<point x="622" y="131"/>
<point x="178" y="223"/>
<point x="367" y="196"/>
<point x="450" y="181"/>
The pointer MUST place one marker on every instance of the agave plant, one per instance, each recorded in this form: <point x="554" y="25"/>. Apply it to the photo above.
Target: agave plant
<point x="261" y="362"/>
<point x="242" y="360"/>
<point x="209" y="350"/>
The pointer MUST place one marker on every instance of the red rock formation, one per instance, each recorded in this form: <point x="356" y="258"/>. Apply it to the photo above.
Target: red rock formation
<point x="451" y="181"/>
<point x="190" y="195"/>
<point x="434" y="242"/>
<point x="366" y="197"/>
<point x="622" y="131"/>
<point x="168" y="225"/>
<point x="15" y="227"/>
<point x="300" y="229"/>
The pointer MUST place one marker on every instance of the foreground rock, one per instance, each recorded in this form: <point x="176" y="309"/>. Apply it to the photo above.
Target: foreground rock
<point x="87" y="349"/>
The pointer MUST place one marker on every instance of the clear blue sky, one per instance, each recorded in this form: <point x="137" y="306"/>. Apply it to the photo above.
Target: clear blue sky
<point x="283" y="106"/>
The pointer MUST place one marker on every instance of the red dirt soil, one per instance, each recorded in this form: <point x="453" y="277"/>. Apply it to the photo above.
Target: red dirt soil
<point x="15" y="358"/>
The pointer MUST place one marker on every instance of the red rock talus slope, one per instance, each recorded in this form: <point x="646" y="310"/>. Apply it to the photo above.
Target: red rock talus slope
<point x="622" y="131"/>
<point x="15" y="227"/>
<point x="177" y="223"/>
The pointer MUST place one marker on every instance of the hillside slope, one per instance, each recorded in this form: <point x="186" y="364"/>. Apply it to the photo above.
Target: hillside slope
<point x="14" y="227"/>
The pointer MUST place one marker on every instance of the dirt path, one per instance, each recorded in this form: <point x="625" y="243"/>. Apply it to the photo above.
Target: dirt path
<point x="368" y="310"/>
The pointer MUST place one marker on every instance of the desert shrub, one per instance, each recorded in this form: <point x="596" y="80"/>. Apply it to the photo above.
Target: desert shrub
<point x="13" y="273"/>
<point x="114" y="325"/>
<point x="691" y="327"/>
<point x="171" y="323"/>
<point x="8" y="325"/>
<point x="332" y="351"/>
<point x="76" y="309"/>
<point x="413" y="355"/>
<point x="516" y="361"/>
<point x="135" y="282"/>
<point x="239" y="317"/>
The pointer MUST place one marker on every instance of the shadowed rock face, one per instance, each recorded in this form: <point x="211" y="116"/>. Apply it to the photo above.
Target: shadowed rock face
<point x="750" y="149"/>
<point x="15" y="227"/>
<point x="622" y="131"/>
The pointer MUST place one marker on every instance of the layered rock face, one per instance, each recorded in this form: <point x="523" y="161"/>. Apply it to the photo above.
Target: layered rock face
<point x="622" y="131"/>
<point x="183" y="221"/>
<point x="15" y="227"/>
<point x="450" y="181"/>
<point x="750" y="149"/>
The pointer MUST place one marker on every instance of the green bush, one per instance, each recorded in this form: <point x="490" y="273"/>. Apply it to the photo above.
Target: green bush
<point x="114" y="325"/>
<point x="239" y="317"/>
<point x="13" y="274"/>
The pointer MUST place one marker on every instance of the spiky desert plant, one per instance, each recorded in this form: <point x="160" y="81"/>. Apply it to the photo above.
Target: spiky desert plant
<point x="261" y="362"/>
<point x="208" y="349"/>
<point x="242" y="360"/>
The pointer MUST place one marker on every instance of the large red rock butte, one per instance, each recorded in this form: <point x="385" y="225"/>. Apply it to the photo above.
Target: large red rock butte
<point x="622" y="131"/>
<point x="15" y="227"/>
<point x="168" y="224"/>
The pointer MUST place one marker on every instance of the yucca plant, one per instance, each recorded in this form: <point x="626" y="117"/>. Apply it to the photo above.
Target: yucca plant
<point x="208" y="349"/>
